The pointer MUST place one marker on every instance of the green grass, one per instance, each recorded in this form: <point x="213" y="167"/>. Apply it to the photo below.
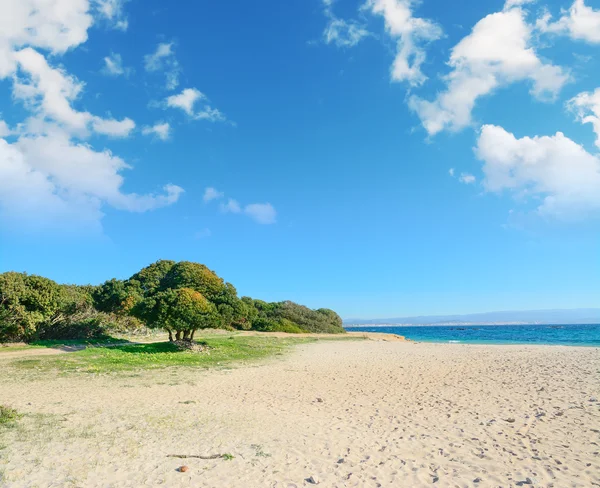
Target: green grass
<point x="7" y="347"/>
<point x="224" y="351"/>
<point x="8" y="415"/>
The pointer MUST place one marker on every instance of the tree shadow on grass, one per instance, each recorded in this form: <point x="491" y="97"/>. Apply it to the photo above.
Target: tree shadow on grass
<point x="73" y="345"/>
<point x="153" y="348"/>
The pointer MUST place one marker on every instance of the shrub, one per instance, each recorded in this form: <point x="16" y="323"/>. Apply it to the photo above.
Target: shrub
<point x="8" y="415"/>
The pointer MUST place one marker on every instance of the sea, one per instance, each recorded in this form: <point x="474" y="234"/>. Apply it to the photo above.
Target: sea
<point x="548" y="334"/>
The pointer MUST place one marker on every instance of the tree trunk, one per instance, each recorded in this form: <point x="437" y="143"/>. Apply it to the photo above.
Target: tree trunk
<point x="178" y="335"/>
<point x="170" y="336"/>
<point x="192" y="336"/>
<point x="186" y="335"/>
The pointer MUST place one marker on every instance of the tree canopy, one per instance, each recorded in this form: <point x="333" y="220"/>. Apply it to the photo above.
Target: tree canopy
<point x="179" y="297"/>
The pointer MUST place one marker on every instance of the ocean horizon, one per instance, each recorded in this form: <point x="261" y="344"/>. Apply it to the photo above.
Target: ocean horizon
<point x="534" y="334"/>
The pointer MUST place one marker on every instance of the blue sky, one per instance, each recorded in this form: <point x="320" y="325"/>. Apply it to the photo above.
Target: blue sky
<point x="387" y="157"/>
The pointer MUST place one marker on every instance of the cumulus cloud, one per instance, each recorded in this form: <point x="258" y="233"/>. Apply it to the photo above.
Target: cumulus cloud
<point x="49" y="92"/>
<point x="113" y="128"/>
<point x="163" y="59"/>
<point x="211" y="194"/>
<point x="579" y="22"/>
<point x="161" y="130"/>
<point x="412" y="34"/>
<point x="55" y="26"/>
<point x="64" y="179"/>
<point x="587" y="107"/>
<point x="48" y="175"/>
<point x="4" y="129"/>
<point x="187" y="101"/>
<point x="553" y="171"/>
<point x="496" y="53"/>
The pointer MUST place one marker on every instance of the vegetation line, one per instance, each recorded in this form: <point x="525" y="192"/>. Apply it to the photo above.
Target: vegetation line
<point x="180" y="298"/>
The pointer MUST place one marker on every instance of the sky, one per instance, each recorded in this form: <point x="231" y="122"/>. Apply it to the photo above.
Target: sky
<point x="378" y="157"/>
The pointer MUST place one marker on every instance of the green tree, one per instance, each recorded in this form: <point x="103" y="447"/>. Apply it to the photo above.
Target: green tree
<point x="117" y="296"/>
<point x="180" y="311"/>
<point x="149" y="278"/>
<point x="195" y="276"/>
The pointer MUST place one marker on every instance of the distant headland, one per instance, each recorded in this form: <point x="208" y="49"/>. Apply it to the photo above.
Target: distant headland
<point x="527" y="317"/>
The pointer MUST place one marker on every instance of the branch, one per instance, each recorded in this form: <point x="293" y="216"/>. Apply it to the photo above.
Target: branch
<point x="186" y="456"/>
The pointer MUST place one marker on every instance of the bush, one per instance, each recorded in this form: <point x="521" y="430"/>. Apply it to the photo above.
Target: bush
<point x="178" y="297"/>
<point x="8" y="415"/>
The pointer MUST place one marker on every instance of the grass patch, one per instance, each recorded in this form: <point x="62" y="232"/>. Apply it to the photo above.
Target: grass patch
<point x="8" y="415"/>
<point x="224" y="350"/>
<point x="56" y="344"/>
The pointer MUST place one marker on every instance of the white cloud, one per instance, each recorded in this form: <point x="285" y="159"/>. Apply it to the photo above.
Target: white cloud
<point x="232" y="206"/>
<point x="516" y="3"/>
<point x="451" y="172"/>
<point x="496" y="53"/>
<point x="66" y="182"/>
<point x="263" y="213"/>
<point x="162" y="130"/>
<point x="113" y="12"/>
<point x="163" y="59"/>
<point x="342" y="33"/>
<point x="156" y="61"/>
<point x="579" y="22"/>
<point x="187" y="101"/>
<point x="113" y="128"/>
<point x="56" y="26"/>
<point x="49" y="93"/>
<point x="212" y="194"/>
<point x="4" y="129"/>
<point x="554" y="170"/>
<point x="466" y="178"/>
<point x="113" y="66"/>
<point x="587" y="107"/>
<point x="412" y="34"/>
<point x="47" y="177"/>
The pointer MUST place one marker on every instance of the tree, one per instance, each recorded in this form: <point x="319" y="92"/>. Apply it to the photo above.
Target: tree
<point x="181" y="311"/>
<point x="149" y="278"/>
<point x="195" y="276"/>
<point x="117" y="296"/>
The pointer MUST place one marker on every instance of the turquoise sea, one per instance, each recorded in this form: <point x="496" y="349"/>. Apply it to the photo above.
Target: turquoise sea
<point x="566" y="335"/>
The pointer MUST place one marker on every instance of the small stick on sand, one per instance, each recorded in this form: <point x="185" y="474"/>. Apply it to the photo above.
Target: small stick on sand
<point x="186" y="456"/>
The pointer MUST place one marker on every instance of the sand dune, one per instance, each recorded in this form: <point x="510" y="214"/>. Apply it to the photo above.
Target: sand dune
<point x="347" y="414"/>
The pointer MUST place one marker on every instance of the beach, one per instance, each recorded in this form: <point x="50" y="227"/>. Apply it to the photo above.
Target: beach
<point x="334" y="414"/>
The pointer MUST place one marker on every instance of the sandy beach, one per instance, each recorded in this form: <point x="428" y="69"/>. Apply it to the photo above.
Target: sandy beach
<point x="339" y="414"/>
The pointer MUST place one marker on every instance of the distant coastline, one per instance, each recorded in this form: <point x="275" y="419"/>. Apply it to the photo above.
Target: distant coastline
<point x="467" y="324"/>
<point x="581" y="316"/>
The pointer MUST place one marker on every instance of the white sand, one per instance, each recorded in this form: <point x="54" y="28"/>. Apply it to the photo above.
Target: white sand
<point x="392" y="415"/>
